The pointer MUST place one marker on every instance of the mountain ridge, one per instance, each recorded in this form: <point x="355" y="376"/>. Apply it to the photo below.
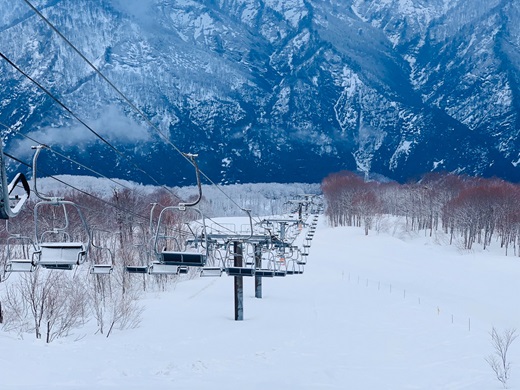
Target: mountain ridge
<point x="272" y="90"/>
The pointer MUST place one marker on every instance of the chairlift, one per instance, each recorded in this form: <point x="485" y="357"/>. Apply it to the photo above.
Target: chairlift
<point x="265" y="272"/>
<point x="240" y="271"/>
<point x="144" y="266"/>
<point x="20" y="257"/>
<point x="247" y="269"/>
<point x="211" y="271"/>
<point x="276" y="266"/>
<point x="213" y="268"/>
<point x="293" y="268"/>
<point x="249" y="257"/>
<point x="55" y="247"/>
<point x="303" y="259"/>
<point x="106" y="265"/>
<point x="137" y="269"/>
<point x="231" y="269"/>
<point x="300" y="258"/>
<point x="187" y="251"/>
<point x="158" y="268"/>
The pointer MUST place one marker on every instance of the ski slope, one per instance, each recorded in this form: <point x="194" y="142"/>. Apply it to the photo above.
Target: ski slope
<point x="370" y="312"/>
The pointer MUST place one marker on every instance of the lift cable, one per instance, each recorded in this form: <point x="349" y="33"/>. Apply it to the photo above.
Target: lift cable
<point x="80" y="190"/>
<point x="68" y="110"/>
<point x="89" y="169"/>
<point x="66" y="157"/>
<point x="127" y="100"/>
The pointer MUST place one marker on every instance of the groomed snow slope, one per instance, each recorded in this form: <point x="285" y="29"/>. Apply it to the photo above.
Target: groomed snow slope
<point x="370" y="312"/>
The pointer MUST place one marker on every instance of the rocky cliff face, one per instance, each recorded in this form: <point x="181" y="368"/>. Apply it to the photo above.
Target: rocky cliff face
<point x="273" y="90"/>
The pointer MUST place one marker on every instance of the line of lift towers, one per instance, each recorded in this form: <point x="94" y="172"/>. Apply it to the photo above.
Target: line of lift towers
<point x="183" y="240"/>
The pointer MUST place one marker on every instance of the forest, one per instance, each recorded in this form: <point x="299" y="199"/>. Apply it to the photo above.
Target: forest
<point x="477" y="210"/>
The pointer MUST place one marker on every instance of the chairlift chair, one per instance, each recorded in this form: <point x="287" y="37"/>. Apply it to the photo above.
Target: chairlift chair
<point x="106" y="265"/>
<point x="180" y="256"/>
<point x="55" y="248"/>
<point x="158" y="268"/>
<point x="294" y="268"/>
<point x="300" y="259"/>
<point x="266" y="272"/>
<point x="303" y="259"/>
<point x="19" y="262"/>
<point x="61" y="254"/>
<point x="144" y="266"/>
<point x="280" y="273"/>
<point x="214" y="266"/>
<point x="247" y="269"/>
<point x="137" y="269"/>
<point x="276" y="263"/>
<point x="240" y="271"/>
<point x="211" y="271"/>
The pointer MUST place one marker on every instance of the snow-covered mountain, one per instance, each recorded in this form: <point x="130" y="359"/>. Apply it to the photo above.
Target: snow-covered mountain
<point x="269" y="90"/>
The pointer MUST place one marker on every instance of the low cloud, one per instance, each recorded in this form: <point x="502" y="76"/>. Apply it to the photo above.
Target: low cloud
<point x="112" y="125"/>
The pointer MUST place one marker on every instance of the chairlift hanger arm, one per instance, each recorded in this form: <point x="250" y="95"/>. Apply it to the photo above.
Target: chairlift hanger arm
<point x="38" y="149"/>
<point x="248" y="212"/>
<point x="192" y="158"/>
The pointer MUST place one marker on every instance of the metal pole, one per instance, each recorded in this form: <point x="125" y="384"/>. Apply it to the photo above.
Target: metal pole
<point x="239" y="283"/>
<point x="258" y="264"/>
<point x="282" y="230"/>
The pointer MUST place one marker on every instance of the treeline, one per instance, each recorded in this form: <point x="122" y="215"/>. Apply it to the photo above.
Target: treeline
<point x="474" y="210"/>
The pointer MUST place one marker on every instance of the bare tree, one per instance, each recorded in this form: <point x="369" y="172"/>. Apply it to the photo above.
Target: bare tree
<point x="52" y="301"/>
<point x="65" y="306"/>
<point x="498" y="360"/>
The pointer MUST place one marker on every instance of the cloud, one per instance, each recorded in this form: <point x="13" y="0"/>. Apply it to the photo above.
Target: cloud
<point x="112" y="125"/>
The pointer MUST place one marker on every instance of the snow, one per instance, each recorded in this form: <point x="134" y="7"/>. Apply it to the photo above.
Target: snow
<point x="403" y="150"/>
<point x="436" y="164"/>
<point x="391" y="310"/>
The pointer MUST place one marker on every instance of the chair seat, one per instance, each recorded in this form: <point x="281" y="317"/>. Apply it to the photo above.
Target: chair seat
<point x="60" y="253"/>
<point x="137" y="269"/>
<point x="264" y="273"/>
<point x="164" y="269"/>
<point x="191" y="259"/>
<point x="240" y="271"/>
<point x="211" y="271"/>
<point x="101" y="269"/>
<point x="19" y="265"/>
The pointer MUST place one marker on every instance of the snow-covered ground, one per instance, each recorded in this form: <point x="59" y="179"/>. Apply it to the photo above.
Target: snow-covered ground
<point x="370" y="312"/>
